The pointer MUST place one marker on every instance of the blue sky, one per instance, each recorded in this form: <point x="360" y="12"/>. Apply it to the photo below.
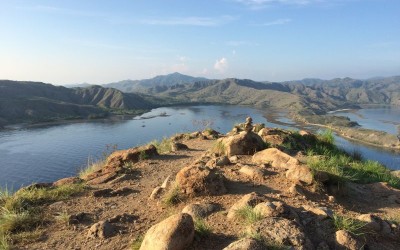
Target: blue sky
<point x="103" y="41"/>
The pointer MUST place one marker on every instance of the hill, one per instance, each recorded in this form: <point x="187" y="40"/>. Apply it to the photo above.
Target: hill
<point x="271" y="189"/>
<point x="162" y="80"/>
<point x="37" y="102"/>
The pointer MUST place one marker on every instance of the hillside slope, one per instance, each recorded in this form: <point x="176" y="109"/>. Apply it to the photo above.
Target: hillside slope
<point x="35" y="101"/>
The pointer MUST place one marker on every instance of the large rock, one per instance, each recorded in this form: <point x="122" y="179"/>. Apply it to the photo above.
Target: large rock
<point x="102" y="230"/>
<point x="245" y="244"/>
<point x="244" y="143"/>
<point x="250" y="199"/>
<point x="174" y="233"/>
<point x="346" y="240"/>
<point x="199" y="180"/>
<point x="276" y="158"/>
<point x="281" y="231"/>
<point x="300" y="173"/>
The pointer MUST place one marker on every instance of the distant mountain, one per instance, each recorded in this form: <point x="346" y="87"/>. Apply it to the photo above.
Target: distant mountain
<point x="35" y="101"/>
<point x="158" y="81"/>
<point x="78" y="85"/>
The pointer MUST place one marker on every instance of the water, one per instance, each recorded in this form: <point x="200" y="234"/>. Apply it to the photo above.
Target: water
<point x="48" y="153"/>
<point x="384" y="118"/>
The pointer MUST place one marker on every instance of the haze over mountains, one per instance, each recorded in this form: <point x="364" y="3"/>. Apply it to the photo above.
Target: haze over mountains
<point x="34" y="102"/>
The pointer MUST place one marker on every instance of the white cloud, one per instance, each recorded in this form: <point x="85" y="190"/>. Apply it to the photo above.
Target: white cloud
<point x="277" y="22"/>
<point x="190" y="21"/>
<point x="221" y="65"/>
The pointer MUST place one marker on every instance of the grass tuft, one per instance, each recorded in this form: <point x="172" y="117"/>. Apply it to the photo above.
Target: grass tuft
<point x="163" y="146"/>
<point x="63" y="218"/>
<point x="173" y="196"/>
<point x="202" y="229"/>
<point x="21" y="212"/>
<point x="4" y="242"/>
<point x="218" y="148"/>
<point x="91" y="167"/>
<point x="351" y="225"/>
<point x="248" y="215"/>
<point x="137" y="243"/>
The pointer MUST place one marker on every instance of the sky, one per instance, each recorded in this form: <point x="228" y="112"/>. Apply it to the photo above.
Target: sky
<point x="102" y="41"/>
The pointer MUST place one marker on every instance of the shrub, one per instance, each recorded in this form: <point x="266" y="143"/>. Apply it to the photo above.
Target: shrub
<point x="163" y="146"/>
<point x="218" y="148"/>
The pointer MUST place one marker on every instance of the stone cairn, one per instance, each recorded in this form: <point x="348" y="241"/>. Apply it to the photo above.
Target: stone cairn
<point x="248" y="126"/>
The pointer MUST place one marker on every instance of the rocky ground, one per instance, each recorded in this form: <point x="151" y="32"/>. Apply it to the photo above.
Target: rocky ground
<point x="251" y="198"/>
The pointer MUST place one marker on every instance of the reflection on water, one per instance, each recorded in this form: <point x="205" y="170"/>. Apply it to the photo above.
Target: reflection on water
<point x="44" y="154"/>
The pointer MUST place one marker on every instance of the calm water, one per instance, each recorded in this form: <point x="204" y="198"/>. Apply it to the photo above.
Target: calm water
<point x="45" y="154"/>
<point x="385" y="119"/>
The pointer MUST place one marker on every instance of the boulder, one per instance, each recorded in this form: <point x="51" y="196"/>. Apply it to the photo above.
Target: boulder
<point x="119" y="158"/>
<point x="199" y="180"/>
<point x="275" y="158"/>
<point x="200" y="210"/>
<point x="67" y="181"/>
<point x="245" y="244"/>
<point x="250" y="199"/>
<point x="300" y="173"/>
<point x="102" y="230"/>
<point x="174" y="233"/>
<point x="346" y="240"/>
<point x="282" y="231"/>
<point x="244" y="143"/>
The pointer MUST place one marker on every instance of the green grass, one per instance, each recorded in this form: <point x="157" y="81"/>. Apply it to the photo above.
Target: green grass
<point x="202" y="229"/>
<point x="21" y="211"/>
<point x="248" y="215"/>
<point x="4" y="242"/>
<point x="163" y="146"/>
<point x="323" y="155"/>
<point x="137" y="242"/>
<point x="173" y="196"/>
<point x="351" y="225"/>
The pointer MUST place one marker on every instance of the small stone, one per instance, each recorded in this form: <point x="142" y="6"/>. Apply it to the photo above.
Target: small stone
<point x="177" y="146"/>
<point x="346" y="240"/>
<point x="102" y="230"/>
<point x="156" y="193"/>
<point x="234" y="159"/>
<point x="200" y="210"/>
<point x="165" y="185"/>
<point x="222" y="161"/>
<point x="252" y="172"/>
<point x="321" y="212"/>
<point x="331" y="199"/>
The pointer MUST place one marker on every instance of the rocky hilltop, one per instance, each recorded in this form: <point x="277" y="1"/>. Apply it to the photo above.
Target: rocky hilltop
<point x="253" y="188"/>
